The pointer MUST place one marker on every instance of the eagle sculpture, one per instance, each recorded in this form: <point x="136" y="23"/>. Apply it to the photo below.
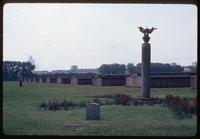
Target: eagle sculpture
<point x="147" y="31"/>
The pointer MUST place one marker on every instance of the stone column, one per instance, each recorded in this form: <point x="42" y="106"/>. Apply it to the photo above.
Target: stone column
<point x="48" y="80"/>
<point x="59" y="80"/>
<point x="97" y="81"/>
<point x="34" y="80"/>
<point x="133" y="81"/>
<point x="94" y="81"/>
<point x="138" y="81"/>
<point x="128" y="81"/>
<point x="194" y="82"/>
<point x="146" y="60"/>
<point x="74" y="81"/>
<point x="145" y="70"/>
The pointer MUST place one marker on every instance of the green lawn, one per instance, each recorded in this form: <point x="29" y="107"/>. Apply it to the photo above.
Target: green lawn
<point x="21" y="114"/>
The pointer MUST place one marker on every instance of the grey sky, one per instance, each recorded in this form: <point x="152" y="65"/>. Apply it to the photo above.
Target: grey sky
<point x="88" y="35"/>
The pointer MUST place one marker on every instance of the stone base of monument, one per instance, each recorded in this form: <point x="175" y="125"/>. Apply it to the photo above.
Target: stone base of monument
<point x="93" y="111"/>
<point x="149" y="101"/>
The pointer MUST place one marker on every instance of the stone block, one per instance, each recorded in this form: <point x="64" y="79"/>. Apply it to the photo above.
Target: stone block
<point x="93" y="111"/>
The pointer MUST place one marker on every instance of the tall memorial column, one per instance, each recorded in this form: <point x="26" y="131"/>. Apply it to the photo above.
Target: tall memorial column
<point x="146" y="62"/>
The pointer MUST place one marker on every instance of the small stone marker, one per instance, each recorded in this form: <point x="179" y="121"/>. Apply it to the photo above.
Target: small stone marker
<point x="93" y="111"/>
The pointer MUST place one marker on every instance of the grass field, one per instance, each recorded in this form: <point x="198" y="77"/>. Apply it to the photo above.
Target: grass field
<point x="21" y="114"/>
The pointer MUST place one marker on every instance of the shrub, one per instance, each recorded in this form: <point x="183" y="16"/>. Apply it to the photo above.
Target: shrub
<point x="96" y="100"/>
<point x="122" y="99"/>
<point x="56" y="105"/>
<point x="43" y="105"/>
<point x="182" y="107"/>
<point x="104" y="96"/>
<point x="82" y="104"/>
<point x="109" y="102"/>
<point x="195" y="106"/>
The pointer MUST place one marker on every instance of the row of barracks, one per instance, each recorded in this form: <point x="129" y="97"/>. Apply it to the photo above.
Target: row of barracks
<point x="161" y="80"/>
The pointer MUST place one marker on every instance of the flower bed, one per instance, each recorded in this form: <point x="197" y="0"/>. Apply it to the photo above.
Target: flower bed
<point x="181" y="106"/>
<point x="125" y="99"/>
<point x="104" y="96"/>
<point x="61" y="105"/>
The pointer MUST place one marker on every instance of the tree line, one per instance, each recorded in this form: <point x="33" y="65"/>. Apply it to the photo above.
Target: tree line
<point x="13" y="69"/>
<point x="130" y="68"/>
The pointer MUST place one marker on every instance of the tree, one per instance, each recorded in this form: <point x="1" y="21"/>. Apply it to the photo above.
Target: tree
<point x="122" y="69"/>
<point x="131" y="69"/>
<point x="104" y="69"/>
<point x="12" y="68"/>
<point x="112" y="69"/>
<point x="31" y="60"/>
<point x="160" y="67"/>
<point x="138" y="68"/>
<point x="176" y="68"/>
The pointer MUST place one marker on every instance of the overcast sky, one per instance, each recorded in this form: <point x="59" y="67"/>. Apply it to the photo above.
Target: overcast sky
<point x="88" y="35"/>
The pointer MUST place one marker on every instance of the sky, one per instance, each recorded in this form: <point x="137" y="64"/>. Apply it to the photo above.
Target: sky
<point x="89" y="35"/>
